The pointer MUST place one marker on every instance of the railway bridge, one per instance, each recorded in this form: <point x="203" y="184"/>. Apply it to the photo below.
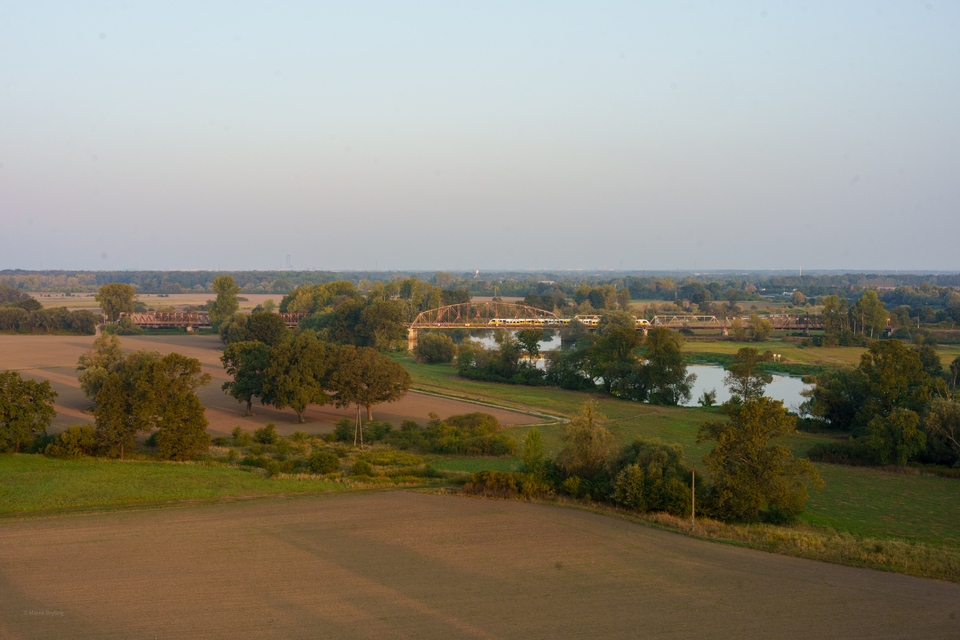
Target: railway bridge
<point x="501" y="315"/>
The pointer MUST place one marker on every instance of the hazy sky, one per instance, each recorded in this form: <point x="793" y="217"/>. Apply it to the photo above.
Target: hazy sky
<point x="489" y="135"/>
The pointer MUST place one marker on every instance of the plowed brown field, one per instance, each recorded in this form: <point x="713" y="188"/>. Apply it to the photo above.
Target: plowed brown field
<point x="54" y="358"/>
<point x="407" y="565"/>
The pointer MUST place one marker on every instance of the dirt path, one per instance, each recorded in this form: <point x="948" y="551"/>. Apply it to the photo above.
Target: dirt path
<point x="388" y="565"/>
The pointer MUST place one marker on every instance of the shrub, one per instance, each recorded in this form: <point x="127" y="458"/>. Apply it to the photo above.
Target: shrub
<point x="240" y="437"/>
<point x="219" y="441"/>
<point x="272" y="467"/>
<point x="266" y="435"/>
<point x="362" y="468"/>
<point x="77" y="441"/>
<point x="298" y="436"/>
<point x="434" y="348"/>
<point x="344" y="430"/>
<point x="501" y="484"/>
<point x="854" y="452"/>
<point x="323" y="462"/>
<point x="376" y="430"/>
<point x="653" y="478"/>
<point x="282" y="447"/>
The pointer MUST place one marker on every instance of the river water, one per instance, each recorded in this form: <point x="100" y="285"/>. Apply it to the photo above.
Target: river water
<point x="709" y="378"/>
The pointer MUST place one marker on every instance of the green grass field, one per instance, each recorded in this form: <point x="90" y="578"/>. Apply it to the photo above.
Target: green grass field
<point x="32" y="484"/>
<point x="863" y="501"/>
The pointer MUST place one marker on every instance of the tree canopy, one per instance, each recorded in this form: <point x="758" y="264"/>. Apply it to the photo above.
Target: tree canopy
<point x="115" y="298"/>
<point x="754" y="475"/>
<point x="26" y="410"/>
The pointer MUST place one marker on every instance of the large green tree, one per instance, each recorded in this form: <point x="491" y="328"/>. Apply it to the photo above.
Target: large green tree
<point x="587" y="444"/>
<point x="248" y="363"/>
<point x="226" y="303"/>
<point x="363" y="377"/>
<point x="115" y="298"/>
<point x="665" y="371"/>
<point x="147" y="391"/>
<point x="97" y="363"/>
<point x="868" y="314"/>
<point x="26" y="409"/>
<point x="298" y="374"/>
<point x="744" y="378"/>
<point x="754" y="475"/>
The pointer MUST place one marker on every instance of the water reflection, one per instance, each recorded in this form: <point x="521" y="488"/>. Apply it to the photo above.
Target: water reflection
<point x="710" y="378"/>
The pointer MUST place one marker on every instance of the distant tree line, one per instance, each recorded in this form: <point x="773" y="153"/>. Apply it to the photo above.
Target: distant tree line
<point x="21" y="313"/>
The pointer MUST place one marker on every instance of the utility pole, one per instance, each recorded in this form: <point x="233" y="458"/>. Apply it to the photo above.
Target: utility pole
<point x="693" y="497"/>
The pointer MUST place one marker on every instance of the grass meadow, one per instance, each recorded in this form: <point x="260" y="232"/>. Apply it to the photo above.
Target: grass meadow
<point x="36" y="485"/>
<point x="869" y="502"/>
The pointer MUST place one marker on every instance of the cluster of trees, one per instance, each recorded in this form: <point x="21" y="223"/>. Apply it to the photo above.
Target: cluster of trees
<point x="926" y="303"/>
<point x="616" y="359"/>
<point x="899" y="405"/>
<point x="848" y="324"/>
<point x="297" y="369"/>
<point x="21" y="313"/>
<point x="754" y="476"/>
<point x="26" y="410"/>
<point x="403" y="298"/>
<point x="142" y="392"/>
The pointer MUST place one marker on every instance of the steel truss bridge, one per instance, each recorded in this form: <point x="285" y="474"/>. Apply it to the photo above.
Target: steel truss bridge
<point x="191" y="320"/>
<point x="502" y="315"/>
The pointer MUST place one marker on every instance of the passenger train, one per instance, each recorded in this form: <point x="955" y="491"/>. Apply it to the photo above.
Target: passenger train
<point x="587" y="321"/>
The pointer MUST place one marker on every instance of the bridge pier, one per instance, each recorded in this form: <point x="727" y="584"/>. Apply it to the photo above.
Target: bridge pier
<point x="412" y="339"/>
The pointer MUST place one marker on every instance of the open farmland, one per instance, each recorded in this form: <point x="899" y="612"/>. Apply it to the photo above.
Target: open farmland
<point x="54" y="358"/>
<point x="403" y="564"/>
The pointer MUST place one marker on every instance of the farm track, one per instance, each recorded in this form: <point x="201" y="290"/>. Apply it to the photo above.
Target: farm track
<point x="405" y="564"/>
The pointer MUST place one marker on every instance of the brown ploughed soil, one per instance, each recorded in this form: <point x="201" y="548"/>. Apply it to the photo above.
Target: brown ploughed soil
<point x="409" y="565"/>
<point x="54" y="358"/>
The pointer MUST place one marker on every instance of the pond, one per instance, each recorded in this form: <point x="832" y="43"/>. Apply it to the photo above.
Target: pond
<point x="710" y="378"/>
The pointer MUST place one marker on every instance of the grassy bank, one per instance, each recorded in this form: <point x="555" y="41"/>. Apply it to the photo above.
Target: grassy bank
<point x="34" y="485"/>
<point x="873" y="503"/>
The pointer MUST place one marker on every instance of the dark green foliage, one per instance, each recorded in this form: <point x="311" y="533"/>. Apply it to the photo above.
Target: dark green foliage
<point x="240" y="437"/>
<point x="323" y="462"/>
<point x="344" y="429"/>
<point x="362" y="468"/>
<point x="45" y="321"/>
<point x="248" y="363"/>
<point x="896" y="437"/>
<point x="755" y="476"/>
<point x="501" y="364"/>
<point x="434" y="348"/>
<point x="26" y="410"/>
<point x="473" y="434"/>
<point x="666" y="374"/>
<point x="745" y="379"/>
<point x="77" y="441"/>
<point x="652" y="477"/>
<point x="567" y="368"/>
<point x="266" y="434"/>
<point x="851" y="451"/>
<point x="500" y="484"/>
<point x="115" y="298"/>
<point x="147" y="391"/>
